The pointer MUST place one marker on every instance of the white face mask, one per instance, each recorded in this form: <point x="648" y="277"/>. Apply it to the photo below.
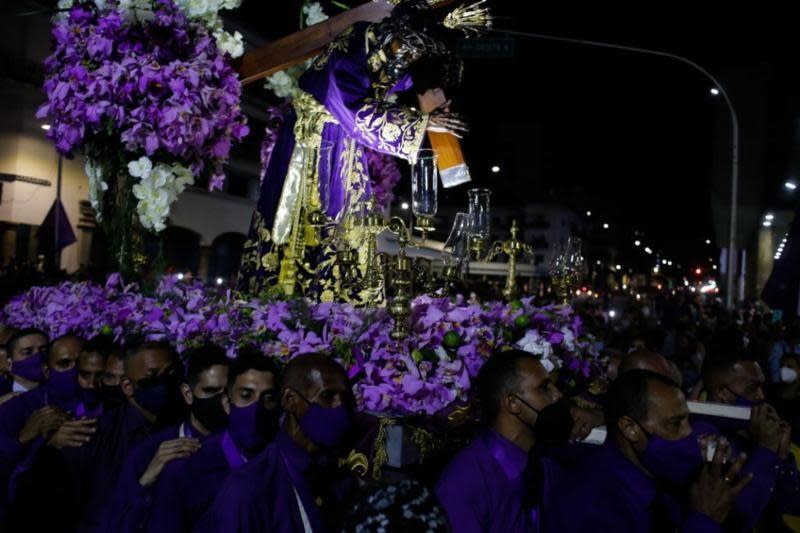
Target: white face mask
<point x="788" y="375"/>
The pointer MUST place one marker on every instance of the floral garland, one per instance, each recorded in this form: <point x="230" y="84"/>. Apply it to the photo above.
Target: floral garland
<point x="145" y="86"/>
<point x="429" y="370"/>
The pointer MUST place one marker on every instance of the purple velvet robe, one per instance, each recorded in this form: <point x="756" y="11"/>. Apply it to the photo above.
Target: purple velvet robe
<point x="187" y="487"/>
<point x="129" y="507"/>
<point x="358" y="114"/>
<point x="262" y="496"/>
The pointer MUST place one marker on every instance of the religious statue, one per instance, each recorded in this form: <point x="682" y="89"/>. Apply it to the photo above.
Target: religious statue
<point x="350" y="98"/>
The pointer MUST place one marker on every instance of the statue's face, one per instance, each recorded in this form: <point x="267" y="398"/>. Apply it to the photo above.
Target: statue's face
<point x="408" y="47"/>
<point x="399" y="44"/>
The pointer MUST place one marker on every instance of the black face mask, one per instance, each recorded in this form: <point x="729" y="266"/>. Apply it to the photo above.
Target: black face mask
<point x="112" y="396"/>
<point x="161" y="396"/>
<point x="210" y="412"/>
<point x="553" y="423"/>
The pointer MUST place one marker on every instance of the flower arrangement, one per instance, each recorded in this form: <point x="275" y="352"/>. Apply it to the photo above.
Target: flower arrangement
<point x="145" y="89"/>
<point x="429" y="370"/>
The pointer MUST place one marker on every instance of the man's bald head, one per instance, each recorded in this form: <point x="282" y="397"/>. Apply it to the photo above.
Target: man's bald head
<point x="643" y="359"/>
<point x="654" y="362"/>
<point x="305" y="372"/>
<point x="312" y="380"/>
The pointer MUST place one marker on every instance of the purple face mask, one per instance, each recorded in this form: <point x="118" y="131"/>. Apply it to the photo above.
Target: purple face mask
<point x="31" y="368"/>
<point x="325" y="426"/>
<point x="673" y="462"/>
<point x="252" y="427"/>
<point x="63" y="385"/>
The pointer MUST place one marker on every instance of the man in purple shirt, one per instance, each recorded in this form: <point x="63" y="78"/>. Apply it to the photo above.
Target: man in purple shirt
<point x="203" y="391"/>
<point x="26" y="351"/>
<point x="650" y="474"/>
<point x="281" y="490"/>
<point x="82" y="459"/>
<point x="483" y="489"/>
<point x="187" y="487"/>
<point x="110" y="385"/>
<point x="732" y="376"/>
<point x="31" y="416"/>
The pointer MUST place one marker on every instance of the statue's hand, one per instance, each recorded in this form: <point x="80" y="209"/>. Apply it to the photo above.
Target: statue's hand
<point x="441" y="121"/>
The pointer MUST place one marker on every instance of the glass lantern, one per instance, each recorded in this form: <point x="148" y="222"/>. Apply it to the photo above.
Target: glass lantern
<point x="479" y="217"/>
<point x="424" y="190"/>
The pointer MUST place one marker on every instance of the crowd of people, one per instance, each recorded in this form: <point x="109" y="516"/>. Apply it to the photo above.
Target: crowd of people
<point x="96" y="436"/>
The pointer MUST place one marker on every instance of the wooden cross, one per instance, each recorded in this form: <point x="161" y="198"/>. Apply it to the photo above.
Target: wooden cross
<point x="295" y="48"/>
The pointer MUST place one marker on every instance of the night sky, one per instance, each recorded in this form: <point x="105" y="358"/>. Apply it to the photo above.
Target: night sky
<point x="629" y="137"/>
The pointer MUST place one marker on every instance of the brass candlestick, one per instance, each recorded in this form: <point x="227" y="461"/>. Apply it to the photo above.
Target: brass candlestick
<point x="401" y="280"/>
<point x="449" y="276"/>
<point x="476" y="246"/>
<point x="424" y="225"/>
<point x="346" y="259"/>
<point x="512" y="248"/>
<point x="373" y="226"/>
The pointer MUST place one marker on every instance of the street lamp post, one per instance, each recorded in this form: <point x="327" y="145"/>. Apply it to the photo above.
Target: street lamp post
<point x="729" y="300"/>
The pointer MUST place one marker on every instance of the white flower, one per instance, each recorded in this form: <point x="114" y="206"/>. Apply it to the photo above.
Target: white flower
<point x="569" y="338"/>
<point x="314" y="14"/>
<point x="157" y="190"/>
<point x="140" y="168"/>
<point x="441" y="353"/>
<point x="231" y="44"/>
<point x="281" y="84"/>
<point x="197" y="8"/>
<point x="533" y="343"/>
<point x="140" y="10"/>
<point x="96" y="187"/>
<point x="548" y="365"/>
<point x="63" y="10"/>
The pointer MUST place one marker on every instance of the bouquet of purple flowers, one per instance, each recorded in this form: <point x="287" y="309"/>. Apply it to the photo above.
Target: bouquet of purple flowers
<point x="145" y="89"/>
<point x="426" y="372"/>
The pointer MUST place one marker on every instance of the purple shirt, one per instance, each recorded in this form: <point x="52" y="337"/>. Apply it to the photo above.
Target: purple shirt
<point x="262" y="495"/>
<point x="606" y="493"/>
<point x="187" y="487"/>
<point x="101" y="462"/>
<point x="16" y="458"/>
<point x="128" y="509"/>
<point x="483" y="487"/>
<point x="78" y="481"/>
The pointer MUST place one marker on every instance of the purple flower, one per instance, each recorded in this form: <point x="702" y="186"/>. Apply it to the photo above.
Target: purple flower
<point x="416" y="375"/>
<point x="160" y="86"/>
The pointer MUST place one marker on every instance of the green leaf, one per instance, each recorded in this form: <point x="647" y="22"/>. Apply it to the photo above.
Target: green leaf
<point x="340" y="5"/>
